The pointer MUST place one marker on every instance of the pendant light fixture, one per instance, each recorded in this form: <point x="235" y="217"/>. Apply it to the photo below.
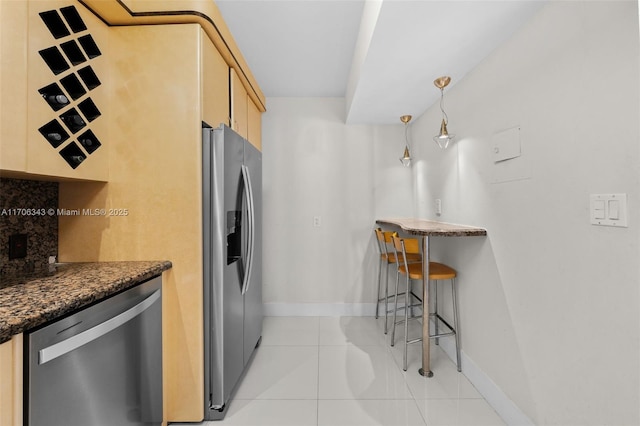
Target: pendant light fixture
<point x="443" y="138"/>
<point x="406" y="157"/>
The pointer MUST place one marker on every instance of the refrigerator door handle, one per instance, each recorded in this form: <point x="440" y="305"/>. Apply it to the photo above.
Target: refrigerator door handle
<point x="249" y="196"/>
<point x="252" y="221"/>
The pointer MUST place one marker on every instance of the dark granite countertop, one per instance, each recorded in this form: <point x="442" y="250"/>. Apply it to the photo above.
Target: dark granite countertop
<point x="29" y="301"/>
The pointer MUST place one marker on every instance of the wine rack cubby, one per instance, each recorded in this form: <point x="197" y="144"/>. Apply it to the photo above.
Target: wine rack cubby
<point x="72" y="79"/>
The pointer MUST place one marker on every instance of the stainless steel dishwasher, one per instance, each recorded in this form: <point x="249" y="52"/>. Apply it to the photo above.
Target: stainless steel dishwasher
<point x="101" y="365"/>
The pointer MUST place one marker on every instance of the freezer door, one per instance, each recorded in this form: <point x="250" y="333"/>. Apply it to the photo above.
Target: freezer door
<point x="253" y="311"/>
<point x="224" y="305"/>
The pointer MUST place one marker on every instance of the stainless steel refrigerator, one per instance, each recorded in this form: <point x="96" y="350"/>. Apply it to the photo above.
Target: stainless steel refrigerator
<point x="232" y="214"/>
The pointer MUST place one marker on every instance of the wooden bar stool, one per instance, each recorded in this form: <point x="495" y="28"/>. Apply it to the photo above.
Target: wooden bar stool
<point x="413" y="271"/>
<point x="387" y="257"/>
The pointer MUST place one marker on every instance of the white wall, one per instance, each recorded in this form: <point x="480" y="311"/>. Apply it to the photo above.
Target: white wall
<point x="550" y="303"/>
<point x="315" y="165"/>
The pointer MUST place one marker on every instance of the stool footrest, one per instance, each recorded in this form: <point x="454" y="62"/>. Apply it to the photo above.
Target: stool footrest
<point x="451" y="331"/>
<point x="434" y="336"/>
<point x="419" y="339"/>
<point x="400" y="308"/>
<point x="437" y="336"/>
<point x="410" y="319"/>
<point x="391" y="296"/>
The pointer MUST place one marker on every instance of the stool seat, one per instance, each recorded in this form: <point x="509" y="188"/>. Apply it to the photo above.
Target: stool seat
<point x="437" y="271"/>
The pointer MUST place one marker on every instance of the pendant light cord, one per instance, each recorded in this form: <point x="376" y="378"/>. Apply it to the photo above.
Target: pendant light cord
<point x="406" y="137"/>
<point x="446" y="117"/>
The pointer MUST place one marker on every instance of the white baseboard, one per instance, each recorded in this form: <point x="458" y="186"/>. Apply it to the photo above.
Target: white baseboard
<point x="504" y="406"/>
<point x="319" y="309"/>
<point x="499" y="401"/>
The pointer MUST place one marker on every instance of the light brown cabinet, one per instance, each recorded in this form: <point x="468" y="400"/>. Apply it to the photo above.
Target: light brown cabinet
<point x="254" y="124"/>
<point x="215" y="87"/>
<point x="245" y="115"/>
<point x="13" y="86"/>
<point x="172" y="79"/>
<point x="239" y="119"/>
<point x="53" y="91"/>
<point x="11" y="382"/>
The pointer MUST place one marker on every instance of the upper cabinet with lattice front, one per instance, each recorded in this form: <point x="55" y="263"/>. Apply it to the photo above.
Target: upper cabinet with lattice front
<point x="54" y="97"/>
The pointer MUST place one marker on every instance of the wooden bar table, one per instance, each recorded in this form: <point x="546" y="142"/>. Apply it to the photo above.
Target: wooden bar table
<point x="425" y="229"/>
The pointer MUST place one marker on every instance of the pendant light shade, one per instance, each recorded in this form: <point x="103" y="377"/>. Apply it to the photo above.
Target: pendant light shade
<point x="406" y="156"/>
<point x="443" y="138"/>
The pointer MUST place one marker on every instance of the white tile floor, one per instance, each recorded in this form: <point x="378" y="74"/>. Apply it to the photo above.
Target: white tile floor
<point x="326" y="371"/>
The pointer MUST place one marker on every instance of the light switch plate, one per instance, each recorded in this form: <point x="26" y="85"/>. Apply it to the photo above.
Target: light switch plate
<point x="608" y="210"/>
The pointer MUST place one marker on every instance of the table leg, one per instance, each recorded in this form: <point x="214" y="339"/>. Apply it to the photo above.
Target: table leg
<point x="426" y="354"/>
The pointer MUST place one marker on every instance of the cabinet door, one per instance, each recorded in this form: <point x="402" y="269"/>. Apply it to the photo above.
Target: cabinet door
<point x="66" y="92"/>
<point x="238" y="105"/>
<point x="255" y="124"/>
<point x="11" y="382"/>
<point x="246" y="118"/>
<point x="13" y="85"/>
<point x="215" y="84"/>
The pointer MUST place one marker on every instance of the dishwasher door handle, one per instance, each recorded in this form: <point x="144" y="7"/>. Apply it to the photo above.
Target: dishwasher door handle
<point x="54" y="351"/>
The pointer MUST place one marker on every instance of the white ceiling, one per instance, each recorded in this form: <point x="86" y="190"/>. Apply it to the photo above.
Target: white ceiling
<point x="382" y="56"/>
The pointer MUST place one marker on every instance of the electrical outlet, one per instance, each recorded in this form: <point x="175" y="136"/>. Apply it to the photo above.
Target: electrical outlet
<point x="317" y="222"/>
<point x="17" y="246"/>
<point x="438" y="206"/>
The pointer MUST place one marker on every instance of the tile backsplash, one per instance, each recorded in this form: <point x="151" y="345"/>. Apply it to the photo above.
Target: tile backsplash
<point x="28" y="207"/>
